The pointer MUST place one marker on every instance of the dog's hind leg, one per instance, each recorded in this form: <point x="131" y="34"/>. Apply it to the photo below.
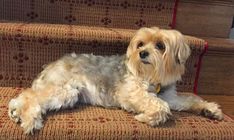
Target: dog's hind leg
<point x="26" y="110"/>
<point x="29" y="106"/>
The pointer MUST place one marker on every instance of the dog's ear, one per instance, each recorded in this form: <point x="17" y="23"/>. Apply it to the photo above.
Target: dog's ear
<point x="130" y="47"/>
<point x="135" y="40"/>
<point x="183" y="49"/>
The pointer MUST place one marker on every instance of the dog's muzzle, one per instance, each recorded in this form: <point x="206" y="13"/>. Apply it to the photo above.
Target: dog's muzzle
<point x="143" y="54"/>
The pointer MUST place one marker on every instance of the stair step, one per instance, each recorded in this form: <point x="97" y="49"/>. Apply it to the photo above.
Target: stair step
<point x="89" y="122"/>
<point x="25" y="48"/>
<point x="112" y="13"/>
<point x="217" y="71"/>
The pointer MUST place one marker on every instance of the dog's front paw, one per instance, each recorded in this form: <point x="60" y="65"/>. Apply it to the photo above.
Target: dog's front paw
<point x="156" y="116"/>
<point x="153" y="120"/>
<point x="212" y="111"/>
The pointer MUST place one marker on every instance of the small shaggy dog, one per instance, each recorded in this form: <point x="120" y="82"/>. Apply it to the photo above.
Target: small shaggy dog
<point x="155" y="59"/>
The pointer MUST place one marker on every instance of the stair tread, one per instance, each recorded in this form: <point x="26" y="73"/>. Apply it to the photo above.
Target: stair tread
<point x="84" y="122"/>
<point x="220" y="44"/>
<point x="63" y="31"/>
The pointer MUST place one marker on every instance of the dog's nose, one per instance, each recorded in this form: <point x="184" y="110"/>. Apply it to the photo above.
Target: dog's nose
<point x="144" y="54"/>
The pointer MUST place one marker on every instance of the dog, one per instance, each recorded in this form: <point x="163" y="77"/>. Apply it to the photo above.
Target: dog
<point x="154" y="62"/>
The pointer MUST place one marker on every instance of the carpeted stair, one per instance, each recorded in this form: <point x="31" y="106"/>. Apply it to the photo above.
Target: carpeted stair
<point x="34" y="33"/>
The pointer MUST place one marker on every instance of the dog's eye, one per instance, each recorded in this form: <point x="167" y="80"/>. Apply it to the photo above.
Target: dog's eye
<point x="160" y="46"/>
<point x="140" y="44"/>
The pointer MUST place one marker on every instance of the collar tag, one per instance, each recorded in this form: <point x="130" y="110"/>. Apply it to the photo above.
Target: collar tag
<point x="157" y="88"/>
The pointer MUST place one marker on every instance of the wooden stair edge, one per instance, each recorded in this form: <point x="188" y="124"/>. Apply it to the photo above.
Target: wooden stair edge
<point x="222" y="44"/>
<point x="211" y="2"/>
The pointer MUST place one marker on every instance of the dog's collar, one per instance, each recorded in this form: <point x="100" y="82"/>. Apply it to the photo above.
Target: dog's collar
<point x="155" y="88"/>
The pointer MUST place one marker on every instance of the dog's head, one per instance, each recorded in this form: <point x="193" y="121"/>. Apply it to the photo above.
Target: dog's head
<point x="157" y="55"/>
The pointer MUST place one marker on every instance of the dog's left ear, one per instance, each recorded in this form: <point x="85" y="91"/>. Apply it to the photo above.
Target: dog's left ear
<point x="183" y="49"/>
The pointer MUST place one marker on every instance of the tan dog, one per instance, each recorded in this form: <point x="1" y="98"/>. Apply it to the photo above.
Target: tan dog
<point x="155" y="57"/>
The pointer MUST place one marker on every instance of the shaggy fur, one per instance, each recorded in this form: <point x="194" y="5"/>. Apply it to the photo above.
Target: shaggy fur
<point x="154" y="57"/>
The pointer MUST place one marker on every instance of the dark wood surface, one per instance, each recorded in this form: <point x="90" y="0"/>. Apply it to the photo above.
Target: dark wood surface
<point x="205" y="18"/>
